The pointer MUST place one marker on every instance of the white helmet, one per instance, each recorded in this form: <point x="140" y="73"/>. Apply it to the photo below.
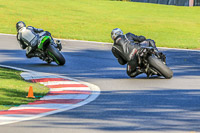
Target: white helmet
<point x="116" y="32"/>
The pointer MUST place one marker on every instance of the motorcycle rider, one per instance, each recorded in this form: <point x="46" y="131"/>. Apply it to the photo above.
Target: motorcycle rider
<point x="30" y="37"/>
<point x="125" y="49"/>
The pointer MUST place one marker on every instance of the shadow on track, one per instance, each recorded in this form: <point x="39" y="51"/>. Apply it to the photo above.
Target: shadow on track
<point x="135" y="110"/>
<point x="123" y="110"/>
<point x="88" y="63"/>
<point x="184" y="63"/>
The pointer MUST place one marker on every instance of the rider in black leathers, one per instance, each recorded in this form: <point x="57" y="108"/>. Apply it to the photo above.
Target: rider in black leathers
<point x="125" y="49"/>
<point x="29" y="37"/>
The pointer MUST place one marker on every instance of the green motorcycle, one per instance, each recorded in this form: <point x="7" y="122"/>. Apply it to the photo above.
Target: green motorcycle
<point x="49" y="51"/>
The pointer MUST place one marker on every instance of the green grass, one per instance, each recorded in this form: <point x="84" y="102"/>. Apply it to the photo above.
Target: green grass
<point x="13" y="89"/>
<point x="93" y="20"/>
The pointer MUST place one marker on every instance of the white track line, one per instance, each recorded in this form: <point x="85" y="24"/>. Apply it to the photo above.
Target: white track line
<point x="58" y="82"/>
<point x="47" y="106"/>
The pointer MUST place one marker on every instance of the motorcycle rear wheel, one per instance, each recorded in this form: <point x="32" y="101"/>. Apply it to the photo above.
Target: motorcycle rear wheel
<point x="160" y="67"/>
<point x="56" y="55"/>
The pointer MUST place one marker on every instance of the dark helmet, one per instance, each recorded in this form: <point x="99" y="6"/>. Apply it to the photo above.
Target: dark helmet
<point x="20" y="25"/>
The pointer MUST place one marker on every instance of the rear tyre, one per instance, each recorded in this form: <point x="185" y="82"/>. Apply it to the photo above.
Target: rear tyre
<point x="160" y="67"/>
<point x="56" y="55"/>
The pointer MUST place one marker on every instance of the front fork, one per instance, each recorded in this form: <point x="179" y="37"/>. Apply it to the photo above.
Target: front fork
<point x="59" y="46"/>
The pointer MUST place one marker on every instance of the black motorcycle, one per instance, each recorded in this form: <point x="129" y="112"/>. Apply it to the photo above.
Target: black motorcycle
<point x="49" y="51"/>
<point x="152" y="62"/>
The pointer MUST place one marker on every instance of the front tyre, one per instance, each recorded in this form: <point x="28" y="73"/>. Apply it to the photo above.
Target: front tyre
<point x="56" y="55"/>
<point x="160" y="67"/>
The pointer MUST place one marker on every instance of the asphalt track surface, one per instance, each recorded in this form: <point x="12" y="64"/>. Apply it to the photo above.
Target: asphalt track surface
<point x="124" y="105"/>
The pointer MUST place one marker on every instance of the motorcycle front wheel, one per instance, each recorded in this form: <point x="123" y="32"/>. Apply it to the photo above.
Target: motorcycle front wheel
<point x="56" y="55"/>
<point x="160" y="67"/>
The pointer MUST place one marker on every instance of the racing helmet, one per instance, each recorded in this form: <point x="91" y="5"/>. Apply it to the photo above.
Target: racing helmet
<point x="116" y="32"/>
<point x="20" y="25"/>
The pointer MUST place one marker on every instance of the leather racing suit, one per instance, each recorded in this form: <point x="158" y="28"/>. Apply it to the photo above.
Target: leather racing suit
<point x="125" y="49"/>
<point x="29" y="37"/>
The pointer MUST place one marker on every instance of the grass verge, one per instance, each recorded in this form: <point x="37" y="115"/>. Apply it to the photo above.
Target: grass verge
<point x="13" y="89"/>
<point x="93" y="20"/>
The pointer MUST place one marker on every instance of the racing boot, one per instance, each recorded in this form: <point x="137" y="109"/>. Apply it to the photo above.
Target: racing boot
<point x="30" y="55"/>
<point x="135" y="73"/>
<point x="29" y="52"/>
